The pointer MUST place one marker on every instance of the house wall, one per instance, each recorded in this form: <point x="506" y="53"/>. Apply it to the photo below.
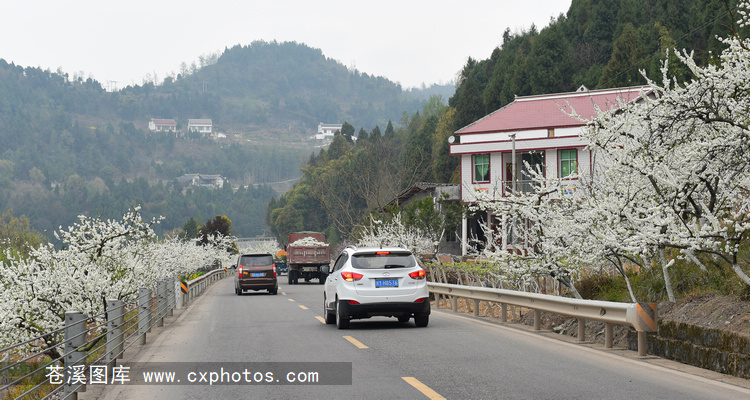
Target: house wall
<point x="530" y="134"/>
<point x="498" y="173"/>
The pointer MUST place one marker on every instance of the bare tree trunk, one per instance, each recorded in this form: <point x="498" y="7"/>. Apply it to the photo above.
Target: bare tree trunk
<point x="667" y="278"/>
<point x="565" y="281"/>
<point x="738" y="270"/>
<point x="691" y="256"/>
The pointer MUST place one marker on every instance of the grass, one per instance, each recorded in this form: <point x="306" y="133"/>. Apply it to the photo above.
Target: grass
<point x="648" y="284"/>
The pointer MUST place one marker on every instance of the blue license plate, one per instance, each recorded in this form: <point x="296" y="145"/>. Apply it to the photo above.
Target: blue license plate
<point x="257" y="274"/>
<point x="386" y="283"/>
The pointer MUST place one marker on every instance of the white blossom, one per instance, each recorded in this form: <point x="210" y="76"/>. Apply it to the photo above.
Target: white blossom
<point x="394" y="233"/>
<point x="95" y="261"/>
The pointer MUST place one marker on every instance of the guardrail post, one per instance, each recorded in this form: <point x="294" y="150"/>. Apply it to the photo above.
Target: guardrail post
<point x="115" y="316"/>
<point x="608" y="335"/>
<point x="642" y="344"/>
<point x="75" y="337"/>
<point x="160" y="303"/>
<point x="476" y="307"/>
<point x="171" y="299"/>
<point x="581" y="330"/>
<point x="537" y="319"/>
<point x="144" y="313"/>
<point x="454" y="303"/>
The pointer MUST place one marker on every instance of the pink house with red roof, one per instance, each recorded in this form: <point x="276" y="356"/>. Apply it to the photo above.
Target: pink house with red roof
<point x="541" y="132"/>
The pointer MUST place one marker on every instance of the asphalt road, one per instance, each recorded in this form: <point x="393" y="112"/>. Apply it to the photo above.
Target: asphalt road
<point x="456" y="357"/>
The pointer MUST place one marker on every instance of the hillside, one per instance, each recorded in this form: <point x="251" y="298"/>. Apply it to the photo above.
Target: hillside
<point x="63" y="135"/>
<point x="288" y="86"/>
<point x="597" y="43"/>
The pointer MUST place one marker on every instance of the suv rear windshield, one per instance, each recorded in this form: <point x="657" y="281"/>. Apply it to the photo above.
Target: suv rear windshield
<point x="256" y="260"/>
<point x="384" y="259"/>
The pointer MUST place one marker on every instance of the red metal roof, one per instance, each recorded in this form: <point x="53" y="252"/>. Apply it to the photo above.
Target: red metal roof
<point x="551" y="111"/>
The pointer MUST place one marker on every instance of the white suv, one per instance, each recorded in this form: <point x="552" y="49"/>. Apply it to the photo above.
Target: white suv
<point x="369" y="282"/>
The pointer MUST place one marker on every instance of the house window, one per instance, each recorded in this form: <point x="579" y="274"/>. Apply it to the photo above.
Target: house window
<point x="481" y="168"/>
<point x="568" y="162"/>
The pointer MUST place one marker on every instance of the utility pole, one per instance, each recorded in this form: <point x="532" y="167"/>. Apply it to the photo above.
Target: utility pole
<point x="513" y="161"/>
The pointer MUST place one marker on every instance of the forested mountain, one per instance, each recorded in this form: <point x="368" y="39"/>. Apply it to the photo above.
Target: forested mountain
<point x="597" y="43"/>
<point x="274" y="84"/>
<point x="69" y="147"/>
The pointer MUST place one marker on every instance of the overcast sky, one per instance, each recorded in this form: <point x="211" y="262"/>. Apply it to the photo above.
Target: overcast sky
<point x="407" y="41"/>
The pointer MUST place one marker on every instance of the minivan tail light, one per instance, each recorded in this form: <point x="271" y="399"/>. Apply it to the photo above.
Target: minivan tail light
<point x="351" y="276"/>
<point x="274" y="269"/>
<point x="239" y="269"/>
<point x="417" y="274"/>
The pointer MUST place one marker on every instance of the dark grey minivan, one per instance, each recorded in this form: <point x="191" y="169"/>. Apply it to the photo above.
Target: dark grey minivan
<point x="255" y="272"/>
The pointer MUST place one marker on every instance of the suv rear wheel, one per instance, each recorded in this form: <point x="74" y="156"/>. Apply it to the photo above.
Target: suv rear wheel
<point x="421" y="320"/>
<point x="342" y="321"/>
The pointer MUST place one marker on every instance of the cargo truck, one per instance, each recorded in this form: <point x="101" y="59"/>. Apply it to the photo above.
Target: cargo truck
<point x="306" y="254"/>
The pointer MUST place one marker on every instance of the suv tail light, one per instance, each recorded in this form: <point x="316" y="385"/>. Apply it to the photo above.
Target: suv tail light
<point x="417" y="274"/>
<point x="239" y="270"/>
<point x="351" y="276"/>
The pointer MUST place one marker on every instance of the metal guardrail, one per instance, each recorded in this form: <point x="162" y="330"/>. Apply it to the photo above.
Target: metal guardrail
<point x="197" y="286"/>
<point x="641" y="316"/>
<point x="105" y="336"/>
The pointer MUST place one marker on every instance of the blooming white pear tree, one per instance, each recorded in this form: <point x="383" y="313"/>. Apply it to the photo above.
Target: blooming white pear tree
<point x="394" y="233"/>
<point x="689" y="145"/>
<point x="673" y="173"/>
<point x="96" y="261"/>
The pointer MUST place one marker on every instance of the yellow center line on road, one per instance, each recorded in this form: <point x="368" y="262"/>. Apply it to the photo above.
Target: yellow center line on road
<point x="291" y="299"/>
<point x="431" y="394"/>
<point x="284" y="293"/>
<point x="355" y="342"/>
<point x="302" y="307"/>
<point x="319" y="318"/>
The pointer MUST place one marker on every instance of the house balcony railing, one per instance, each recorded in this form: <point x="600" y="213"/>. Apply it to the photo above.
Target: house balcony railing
<point x="521" y="187"/>
<point x="527" y="186"/>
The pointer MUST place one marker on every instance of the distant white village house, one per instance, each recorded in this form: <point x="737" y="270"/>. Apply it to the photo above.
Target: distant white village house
<point x="326" y="131"/>
<point x="202" y="126"/>
<point x="162" y="125"/>
<point x="211" y="181"/>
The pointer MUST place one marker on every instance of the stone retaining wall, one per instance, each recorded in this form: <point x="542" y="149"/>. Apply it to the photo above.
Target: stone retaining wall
<point x="717" y="350"/>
